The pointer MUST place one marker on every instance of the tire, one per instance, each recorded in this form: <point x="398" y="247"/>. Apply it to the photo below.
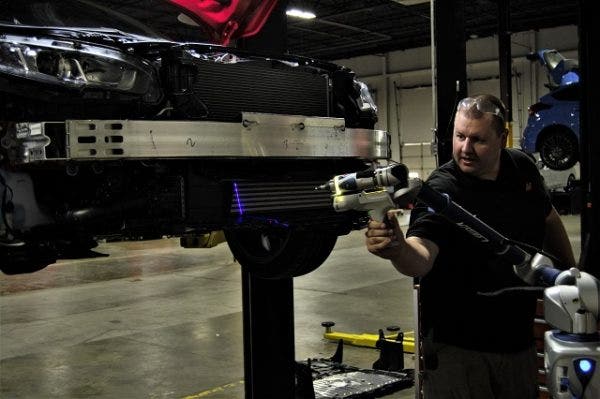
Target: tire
<point x="280" y="253"/>
<point x="559" y="149"/>
<point x="25" y="258"/>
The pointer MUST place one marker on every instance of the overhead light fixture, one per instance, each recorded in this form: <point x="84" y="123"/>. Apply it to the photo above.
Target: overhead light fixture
<point x="411" y="2"/>
<point x="295" y="12"/>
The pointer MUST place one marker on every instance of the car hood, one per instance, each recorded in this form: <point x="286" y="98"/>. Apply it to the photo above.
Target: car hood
<point x="135" y="44"/>
<point x="225" y="20"/>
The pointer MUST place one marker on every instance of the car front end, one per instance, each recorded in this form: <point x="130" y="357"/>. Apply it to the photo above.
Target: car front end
<point x="113" y="134"/>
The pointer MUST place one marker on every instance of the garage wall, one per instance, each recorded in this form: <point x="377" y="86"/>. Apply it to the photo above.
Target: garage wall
<point x="402" y="87"/>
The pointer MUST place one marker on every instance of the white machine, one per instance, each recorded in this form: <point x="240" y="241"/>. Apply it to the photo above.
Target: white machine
<point x="572" y="351"/>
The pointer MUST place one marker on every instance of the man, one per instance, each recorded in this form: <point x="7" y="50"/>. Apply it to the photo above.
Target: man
<point x="476" y="314"/>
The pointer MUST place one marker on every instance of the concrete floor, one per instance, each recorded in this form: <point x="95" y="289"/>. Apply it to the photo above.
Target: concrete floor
<point x="154" y="320"/>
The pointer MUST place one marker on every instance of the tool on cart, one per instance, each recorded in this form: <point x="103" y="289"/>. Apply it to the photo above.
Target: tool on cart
<point x="571" y="299"/>
<point x="330" y="378"/>
<point x="391" y="352"/>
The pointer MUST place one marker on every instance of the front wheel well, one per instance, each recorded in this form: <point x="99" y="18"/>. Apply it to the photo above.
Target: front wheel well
<point x="558" y="147"/>
<point x="553" y="129"/>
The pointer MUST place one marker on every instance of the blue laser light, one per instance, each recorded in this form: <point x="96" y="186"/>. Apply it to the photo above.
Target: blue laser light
<point x="586" y="366"/>
<point x="237" y="197"/>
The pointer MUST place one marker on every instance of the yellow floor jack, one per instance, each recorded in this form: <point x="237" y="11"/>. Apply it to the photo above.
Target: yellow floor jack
<point x="370" y="340"/>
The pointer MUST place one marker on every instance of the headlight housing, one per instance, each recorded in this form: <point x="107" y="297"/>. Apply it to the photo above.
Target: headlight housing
<point x="365" y="100"/>
<point x="77" y="65"/>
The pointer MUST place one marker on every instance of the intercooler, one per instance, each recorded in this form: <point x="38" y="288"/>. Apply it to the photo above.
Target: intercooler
<point x="227" y="90"/>
<point x="276" y="197"/>
<point x="283" y="204"/>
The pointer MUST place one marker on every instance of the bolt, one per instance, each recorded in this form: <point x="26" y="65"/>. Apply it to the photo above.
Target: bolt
<point x="328" y="325"/>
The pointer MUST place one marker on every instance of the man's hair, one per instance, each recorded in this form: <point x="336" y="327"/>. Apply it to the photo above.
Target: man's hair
<point x="481" y="104"/>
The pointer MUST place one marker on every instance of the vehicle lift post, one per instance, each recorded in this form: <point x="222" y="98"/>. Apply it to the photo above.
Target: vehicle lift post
<point x="269" y="351"/>
<point x="268" y="304"/>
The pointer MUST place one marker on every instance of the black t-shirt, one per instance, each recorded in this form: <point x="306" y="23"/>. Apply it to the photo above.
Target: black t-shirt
<point x="456" y="305"/>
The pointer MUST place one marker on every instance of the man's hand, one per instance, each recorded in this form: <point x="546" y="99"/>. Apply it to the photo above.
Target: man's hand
<point x="413" y="256"/>
<point x="384" y="239"/>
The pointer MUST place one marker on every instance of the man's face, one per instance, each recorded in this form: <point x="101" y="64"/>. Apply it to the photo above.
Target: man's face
<point x="476" y="146"/>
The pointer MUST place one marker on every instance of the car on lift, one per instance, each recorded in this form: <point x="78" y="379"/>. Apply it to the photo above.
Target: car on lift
<point x="141" y="119"/>
<point x="552" y="128"/>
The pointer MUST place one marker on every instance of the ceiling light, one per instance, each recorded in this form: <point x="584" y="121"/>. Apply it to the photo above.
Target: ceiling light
<point x="411" y="2"/>
<point x="295" y="12"/>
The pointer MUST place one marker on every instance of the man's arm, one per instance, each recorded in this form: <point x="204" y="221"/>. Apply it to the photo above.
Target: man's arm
<point x="412" y="256"/>
<point x="556" y="240"/>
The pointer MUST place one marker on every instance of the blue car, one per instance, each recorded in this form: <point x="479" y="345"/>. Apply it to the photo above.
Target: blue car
<point x="553" y="125"/>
